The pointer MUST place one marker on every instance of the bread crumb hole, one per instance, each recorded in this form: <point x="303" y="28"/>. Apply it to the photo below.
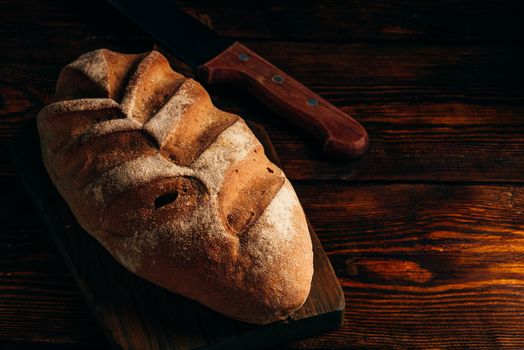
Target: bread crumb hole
<point x="270" y="170"/>
<point x="165" y="199"/>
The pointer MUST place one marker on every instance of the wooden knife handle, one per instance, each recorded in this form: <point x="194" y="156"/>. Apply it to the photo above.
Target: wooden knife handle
<point x="341" y="135"/>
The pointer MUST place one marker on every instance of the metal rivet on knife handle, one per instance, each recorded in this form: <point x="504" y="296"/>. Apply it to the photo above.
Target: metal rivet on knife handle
<point x="277" y="79"/>
<point x="243" y="57"/>
<point x="313" y="102"/>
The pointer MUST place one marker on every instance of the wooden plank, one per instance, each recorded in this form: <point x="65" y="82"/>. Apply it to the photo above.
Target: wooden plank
<point x="450" y="142"/>
<point x="459" y="21"/>
<point x="418" y="103"/>
<point x="39" y="301"/>
<point x="421" y="265"/>
<point x="410" y="21"/>
<point x="424" y="266"/>
<point x="349" y="73"/>
<point x="344" y="73"/>
<point x="136" y="314"/>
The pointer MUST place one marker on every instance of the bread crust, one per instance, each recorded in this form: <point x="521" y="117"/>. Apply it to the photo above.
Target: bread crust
<point x="178" y="191"/>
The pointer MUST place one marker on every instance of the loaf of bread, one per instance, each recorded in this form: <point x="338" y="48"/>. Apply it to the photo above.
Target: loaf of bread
<point x="178" y="191"/>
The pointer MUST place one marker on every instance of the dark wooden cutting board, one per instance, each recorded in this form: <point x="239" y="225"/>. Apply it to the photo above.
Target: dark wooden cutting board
<point x="136" y="314"/>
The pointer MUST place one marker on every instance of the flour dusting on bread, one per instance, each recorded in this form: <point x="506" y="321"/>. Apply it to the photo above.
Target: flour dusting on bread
<point x="166" y="119"/>
<point x="178" y="191"/>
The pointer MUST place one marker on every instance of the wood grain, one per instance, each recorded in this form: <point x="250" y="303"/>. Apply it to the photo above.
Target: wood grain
<point x="377" y="20"/>
<point x="39" y="301"/>
<point x="461" y="21"/>
<point x="425" y="265"/>
<point x="424" y="231"/>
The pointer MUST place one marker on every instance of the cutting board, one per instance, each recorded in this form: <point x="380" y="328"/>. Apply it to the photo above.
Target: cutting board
<point x="136" y="314"/>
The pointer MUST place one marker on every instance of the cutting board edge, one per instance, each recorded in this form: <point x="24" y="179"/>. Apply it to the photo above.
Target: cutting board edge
<point x="334" y="319"/>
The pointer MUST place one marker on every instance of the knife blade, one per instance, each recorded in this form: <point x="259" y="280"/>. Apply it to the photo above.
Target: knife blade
<point x="219" y="60"/>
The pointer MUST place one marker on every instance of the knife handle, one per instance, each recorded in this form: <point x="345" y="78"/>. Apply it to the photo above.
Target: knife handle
<point x="341" y="135"/>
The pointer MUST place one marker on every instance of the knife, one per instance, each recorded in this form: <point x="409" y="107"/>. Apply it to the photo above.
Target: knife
<point x="219" y="60"/>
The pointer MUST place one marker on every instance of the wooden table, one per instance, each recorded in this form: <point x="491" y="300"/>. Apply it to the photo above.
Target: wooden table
<point x="425" y="232"/>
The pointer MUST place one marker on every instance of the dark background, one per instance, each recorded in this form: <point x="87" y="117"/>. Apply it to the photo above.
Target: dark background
<point x="425" y="232"/>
